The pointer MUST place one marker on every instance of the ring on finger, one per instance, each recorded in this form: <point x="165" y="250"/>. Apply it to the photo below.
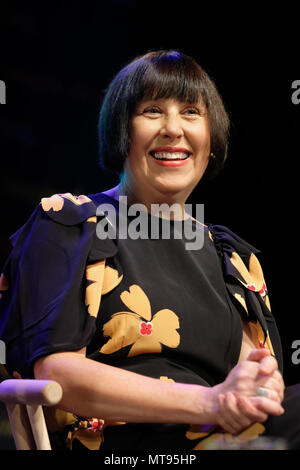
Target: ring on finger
<point x="262" y="392"/>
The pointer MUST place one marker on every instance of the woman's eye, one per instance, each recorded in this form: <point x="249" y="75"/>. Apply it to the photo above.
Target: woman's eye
<point x="151" y="110"/>
<point x="192" y="111"/>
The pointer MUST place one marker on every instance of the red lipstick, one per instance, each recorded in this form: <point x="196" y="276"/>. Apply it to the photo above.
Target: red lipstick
<point x="170" y="163"/>
<point x="170" y="149"/>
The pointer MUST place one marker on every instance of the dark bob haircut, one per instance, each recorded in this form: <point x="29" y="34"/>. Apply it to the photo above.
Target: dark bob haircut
<point x="159" y="75"/>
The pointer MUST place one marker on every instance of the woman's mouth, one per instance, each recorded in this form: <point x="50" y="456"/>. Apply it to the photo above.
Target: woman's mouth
<point x="170" y="159"/>
<point x="170" y="155"/>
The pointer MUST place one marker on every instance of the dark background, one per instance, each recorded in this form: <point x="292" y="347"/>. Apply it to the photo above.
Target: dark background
<point x="57" y="59"/>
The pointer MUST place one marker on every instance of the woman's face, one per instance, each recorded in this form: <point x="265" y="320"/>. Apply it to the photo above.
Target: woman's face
<point x="170" y="148"/>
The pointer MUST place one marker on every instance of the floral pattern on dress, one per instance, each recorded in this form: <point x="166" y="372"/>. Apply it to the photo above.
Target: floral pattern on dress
<point x="138" y="328"/>
<point x="212" y="436"/>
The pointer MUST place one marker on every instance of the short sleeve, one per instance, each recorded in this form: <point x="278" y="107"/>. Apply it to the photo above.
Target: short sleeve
<point x="246" y="285"/>
<point x="43" y="303"/>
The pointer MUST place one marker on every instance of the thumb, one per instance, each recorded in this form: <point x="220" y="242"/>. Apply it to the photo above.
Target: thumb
<point x="257" y="355"/>
<point x="267" y="363"/>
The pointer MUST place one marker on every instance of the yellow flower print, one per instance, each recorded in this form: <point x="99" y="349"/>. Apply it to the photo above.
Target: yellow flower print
<point x="56" y="202"/>
<point x="213" y="439"/>
<point x="242" y="301"/>
<point x="94" y="273"/>
<point x="253" y="276"/>
<point x="103" y="279"/>
<point x="146" y="333"/>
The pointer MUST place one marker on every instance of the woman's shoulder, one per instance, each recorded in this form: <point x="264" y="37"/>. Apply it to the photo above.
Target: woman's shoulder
<point x="66" y="216"/>
<point x="227" y="240"/>
<point x="238" y="257"/>
<point x="67" y="208"/>
<point x="71" y="209"/>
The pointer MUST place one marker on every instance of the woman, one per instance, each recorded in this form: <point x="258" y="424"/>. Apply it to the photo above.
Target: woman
<point x="168" y="346"/>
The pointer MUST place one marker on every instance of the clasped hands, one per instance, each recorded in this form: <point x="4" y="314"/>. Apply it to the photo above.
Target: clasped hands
<point x="237" y="401"/>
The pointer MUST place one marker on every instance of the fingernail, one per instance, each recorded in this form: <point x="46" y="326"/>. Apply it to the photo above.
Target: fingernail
<point x="265" y="370"/>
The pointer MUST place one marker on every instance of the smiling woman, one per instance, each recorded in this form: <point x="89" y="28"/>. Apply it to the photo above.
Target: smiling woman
<point x="166" y="347"/>
<point x="170" y="148"/>
<point x="160" y="75"/>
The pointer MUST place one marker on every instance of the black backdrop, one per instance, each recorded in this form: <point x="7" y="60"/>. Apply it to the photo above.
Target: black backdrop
<point x="56" y="60"/>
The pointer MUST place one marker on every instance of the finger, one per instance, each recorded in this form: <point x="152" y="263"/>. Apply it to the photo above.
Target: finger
<point x="268" y="365"/>
<point x="279" y="379"/>
<point x="274" y="383"/>
<point x="234" y="420"/>
<point x="223" y="419"/>
<point x="271" y="407"/>
<point x="231" y="410"/>
<point x="257" y="354"/>
<point x="240" y="419"/>
<point x="268" y="393"/>
<point x="249" y="410"/>
<point x="220" y="418"/>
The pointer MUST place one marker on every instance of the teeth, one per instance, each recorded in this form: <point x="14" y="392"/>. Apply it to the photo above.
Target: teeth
<point x="170" y="156"/>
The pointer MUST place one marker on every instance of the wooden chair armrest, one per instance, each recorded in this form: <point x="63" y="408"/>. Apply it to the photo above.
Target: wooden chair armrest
<point x="30" y="392"/>
<point x="24" y="399"/>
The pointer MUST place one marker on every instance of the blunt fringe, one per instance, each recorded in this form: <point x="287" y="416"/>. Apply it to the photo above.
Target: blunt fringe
<point x="158" y="75"/>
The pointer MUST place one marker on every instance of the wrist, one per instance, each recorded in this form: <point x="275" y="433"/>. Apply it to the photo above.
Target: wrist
<point x="205" y="405"/>
<point x="211" y="403"/>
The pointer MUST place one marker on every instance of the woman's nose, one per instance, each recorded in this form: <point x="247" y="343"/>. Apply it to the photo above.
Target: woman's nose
<point x="171" y="127"/>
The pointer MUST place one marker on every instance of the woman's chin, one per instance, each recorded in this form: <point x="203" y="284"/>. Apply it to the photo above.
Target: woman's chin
<point x="174" y="185"/>
<point x="171" y="189"/>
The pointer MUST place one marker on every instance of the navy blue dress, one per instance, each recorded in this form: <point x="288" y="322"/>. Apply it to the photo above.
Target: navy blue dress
<point x="145" y="305"/>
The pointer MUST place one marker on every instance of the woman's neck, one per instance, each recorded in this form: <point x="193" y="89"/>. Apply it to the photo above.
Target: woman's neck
<point x="169" y="205"/>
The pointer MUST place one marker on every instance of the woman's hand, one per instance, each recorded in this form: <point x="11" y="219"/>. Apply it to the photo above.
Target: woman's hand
<point x="236" y="413"/>
<point x="237" y="403"/>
